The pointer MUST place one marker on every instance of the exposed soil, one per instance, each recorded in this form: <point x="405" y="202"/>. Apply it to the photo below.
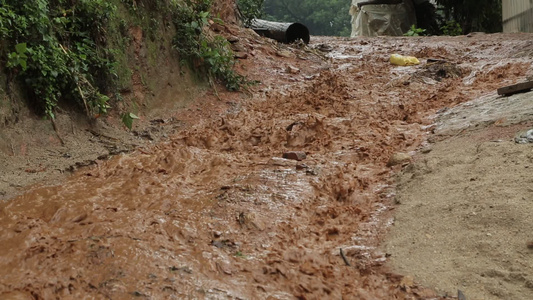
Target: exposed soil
<point x="213" y="211"/>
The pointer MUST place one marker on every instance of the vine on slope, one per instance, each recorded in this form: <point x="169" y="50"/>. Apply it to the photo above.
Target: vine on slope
<point x="210" y="55"/>
<point x="57" y="49"/>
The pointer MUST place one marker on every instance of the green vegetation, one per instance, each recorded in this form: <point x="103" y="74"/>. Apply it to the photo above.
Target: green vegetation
<point x="19" y="57"/>
<point x="240" y="255"/>
<point x="127" y="119"/>
<point x="330" y="17"/>
<point x="77" y="51"/>
<point x="58" y="50"/>
<point x="452" y="28"/>
<point x="473" y="15"/>
<point x="321" y="17"/>
<point x="250" y="9"/>
<point x="210" y="55"/>
<point x="413" y="31"/>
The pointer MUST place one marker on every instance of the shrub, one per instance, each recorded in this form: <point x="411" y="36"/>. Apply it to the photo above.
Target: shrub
<point x="57" y="50"/>
<point x="210" y="55"/>
<point x="249" y="10"/>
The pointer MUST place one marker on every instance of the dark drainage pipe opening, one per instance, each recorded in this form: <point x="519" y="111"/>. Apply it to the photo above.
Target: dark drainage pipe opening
<point x="281" y="32"/>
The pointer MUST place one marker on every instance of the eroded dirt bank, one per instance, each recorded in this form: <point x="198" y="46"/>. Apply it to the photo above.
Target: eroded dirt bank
<point x="215" y="213"/>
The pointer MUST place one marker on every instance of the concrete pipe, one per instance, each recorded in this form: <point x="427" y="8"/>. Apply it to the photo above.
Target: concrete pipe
<point x="281" y="32"/>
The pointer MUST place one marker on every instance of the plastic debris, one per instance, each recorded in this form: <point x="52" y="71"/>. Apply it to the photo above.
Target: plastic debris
<point x="400" y="60"/>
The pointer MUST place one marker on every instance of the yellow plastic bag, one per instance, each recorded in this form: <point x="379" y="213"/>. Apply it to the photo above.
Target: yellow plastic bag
<point x="400" y="60"/>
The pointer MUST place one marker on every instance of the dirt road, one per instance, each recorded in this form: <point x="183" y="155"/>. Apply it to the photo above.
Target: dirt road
<point x="214" y="212"/>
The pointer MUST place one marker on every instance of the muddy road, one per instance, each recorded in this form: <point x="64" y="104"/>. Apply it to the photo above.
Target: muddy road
<point x="215" y="212"/>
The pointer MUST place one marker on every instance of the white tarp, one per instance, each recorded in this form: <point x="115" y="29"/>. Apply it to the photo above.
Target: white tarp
<point x="382" y="19"/>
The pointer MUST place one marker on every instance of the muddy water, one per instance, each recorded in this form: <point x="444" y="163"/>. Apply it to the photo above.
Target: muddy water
<point x="216" y="214"/>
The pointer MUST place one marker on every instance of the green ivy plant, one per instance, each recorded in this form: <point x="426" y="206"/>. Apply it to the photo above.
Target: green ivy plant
<point x="19" y="57"/>
<point x="59" y="50"/>
<point x="210" y="55"/>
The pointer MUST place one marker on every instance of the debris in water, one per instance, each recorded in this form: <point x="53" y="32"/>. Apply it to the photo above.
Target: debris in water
<point x="460" y="295"/>
<point x="344" y="257"/>
<point x="399" y="158"/>
<point x="295" y="155"/>
<point x="524" y="137"/>
<point x="400" y="60"/>
<point x="516" y="88"/>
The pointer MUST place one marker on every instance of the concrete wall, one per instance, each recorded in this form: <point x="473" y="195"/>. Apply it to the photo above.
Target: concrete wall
<point x="517" y="15"/>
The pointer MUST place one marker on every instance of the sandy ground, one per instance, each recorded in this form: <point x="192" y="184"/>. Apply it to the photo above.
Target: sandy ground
<point x="213" y="211"/>
<point x="464" y="209"/>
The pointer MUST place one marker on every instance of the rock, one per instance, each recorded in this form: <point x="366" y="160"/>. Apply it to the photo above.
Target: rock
<point x="426" y="150"/>
<point x="255" y="140"/>
<point x="311" y="172"/>
<point x="295" y="155"/>
<point x="324" y="48"/>
<point x="407" y="281"/>
<point x="80" y="217"/>
<point x="399" y="158"/>
<point x="224" y="243"/>
<point x="524" y="137"/>
<point x="308" y="268"/>
<point x="216" y="27"/>
<point x="250" y="221"/>
<point x="292" y="70"/>
<point x="238" y="48"/>
<point x="284" y="53"/>
<point x="224" y="267"/>
<point x="239" y="51"/>
<point x="184" y="269"/>
<point x="233" y="39"/>
<point x="530" y="244"/>
<point x="302" y="167"/>
<point x="293" y="256"/>
<point x="281" y="162"/>
<point x="240" y="55"/>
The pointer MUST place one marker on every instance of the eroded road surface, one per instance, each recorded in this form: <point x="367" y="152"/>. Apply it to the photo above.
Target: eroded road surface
<point x="216" y="213"/>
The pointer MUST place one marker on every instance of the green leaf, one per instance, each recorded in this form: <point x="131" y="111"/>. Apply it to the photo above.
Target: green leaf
<point x="21" y="48"/>
<point x="128" y="118"/>
<point x="128" y="122"/>
<point x="23" y="64"/>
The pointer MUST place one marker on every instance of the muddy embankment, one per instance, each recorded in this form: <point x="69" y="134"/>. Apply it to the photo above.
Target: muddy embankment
<point x="150" y="80"/>
<point x="214" y="211"/>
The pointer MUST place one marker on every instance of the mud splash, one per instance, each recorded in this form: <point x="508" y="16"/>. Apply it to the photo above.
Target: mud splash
<point x="215" y="213"/>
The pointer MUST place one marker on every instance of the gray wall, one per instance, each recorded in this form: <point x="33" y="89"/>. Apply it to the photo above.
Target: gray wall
<point x="517" y="15"/>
